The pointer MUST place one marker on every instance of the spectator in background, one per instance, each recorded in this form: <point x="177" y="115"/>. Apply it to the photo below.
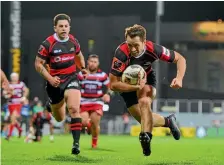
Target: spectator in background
<point x="125" y="121"/>
<point x="38" y="108"/>
<point x="25" y="115"/>
<point x="34" y="102"/>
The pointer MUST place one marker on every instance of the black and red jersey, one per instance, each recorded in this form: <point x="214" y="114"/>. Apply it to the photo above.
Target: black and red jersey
<point x="152" y="52"/>
<point x="60" y="54"/>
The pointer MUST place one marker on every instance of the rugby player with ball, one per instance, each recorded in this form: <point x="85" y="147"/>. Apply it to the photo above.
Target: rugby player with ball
<point x="132" y="75"/>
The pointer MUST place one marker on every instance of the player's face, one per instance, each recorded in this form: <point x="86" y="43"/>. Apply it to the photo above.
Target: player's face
<point x="62" y="29"/>
<point x="135" y="45"/>
<point x="93" y="64"/>
<point x="14" y="78"/>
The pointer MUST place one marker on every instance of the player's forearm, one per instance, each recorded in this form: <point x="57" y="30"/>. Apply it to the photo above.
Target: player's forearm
<point x="123" y="87"/>
<point x="42" y="71"/>
<point x="181" y="67"/>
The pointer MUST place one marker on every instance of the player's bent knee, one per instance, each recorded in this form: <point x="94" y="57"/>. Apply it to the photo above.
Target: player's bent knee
<point x="73" y="109"/>
<point x="144" y="101"/>
<point x="59" y="118"/>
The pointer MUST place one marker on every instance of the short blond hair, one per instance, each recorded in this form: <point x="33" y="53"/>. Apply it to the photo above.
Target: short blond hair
<point x="136" y="30"/>
<point x="61" y="17"/>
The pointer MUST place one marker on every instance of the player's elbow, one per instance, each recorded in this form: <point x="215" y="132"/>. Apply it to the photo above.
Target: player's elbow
<point x="179" y="58"/>
<point x="37" y="65"/>
<point x="113" y="86"/>
<point x="183" y="60"/>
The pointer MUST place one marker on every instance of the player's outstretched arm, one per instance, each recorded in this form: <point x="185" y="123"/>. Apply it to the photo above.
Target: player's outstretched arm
<point x="118" y="86"/>
<point x="181" y="69"/>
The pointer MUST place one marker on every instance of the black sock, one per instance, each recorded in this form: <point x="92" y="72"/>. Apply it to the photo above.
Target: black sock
<point x="167" y="122"/>
<point x="149" y="134"/>
<point x="76" y="127"/>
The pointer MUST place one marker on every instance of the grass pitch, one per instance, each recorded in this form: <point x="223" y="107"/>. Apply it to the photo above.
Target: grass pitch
<point x="114" y="150"/>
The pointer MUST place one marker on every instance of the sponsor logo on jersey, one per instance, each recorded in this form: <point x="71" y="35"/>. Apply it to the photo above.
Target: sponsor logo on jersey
<point x="73" y="84"/>
<point x="57" y="51"/>
<point x="118" y="65"/>
<point x="59" y="59"/>
<point x="166" y="52"/>
<point x="72" y="49"/>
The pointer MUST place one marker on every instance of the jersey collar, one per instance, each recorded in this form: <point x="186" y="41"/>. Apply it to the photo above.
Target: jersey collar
<point x="59" y="40"/>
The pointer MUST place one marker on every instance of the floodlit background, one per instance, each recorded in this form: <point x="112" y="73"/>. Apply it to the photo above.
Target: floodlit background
<point x="195" y="29"/>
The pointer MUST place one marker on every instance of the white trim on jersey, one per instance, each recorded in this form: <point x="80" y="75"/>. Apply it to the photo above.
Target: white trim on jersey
<point x="99" y="92"/>
<point x="89" y="102"/>
<point x="100" y="75"/>
<point x="91" y="82"/>
<point x="59" y="40"/>
<point x="15" y="100"/>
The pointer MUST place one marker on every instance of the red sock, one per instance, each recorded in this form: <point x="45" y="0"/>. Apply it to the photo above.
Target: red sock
<point x="94" y="141"/>
<point x="11" y="127"/>
<point x="18" y="127"/>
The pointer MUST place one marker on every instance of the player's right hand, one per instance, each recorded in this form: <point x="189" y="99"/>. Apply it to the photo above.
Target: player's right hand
<point x="141" y="82"/>
<point x="84" y="72"/>
<point x="55" y="81"/>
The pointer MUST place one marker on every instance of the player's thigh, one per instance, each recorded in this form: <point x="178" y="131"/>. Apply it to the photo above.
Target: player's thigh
<point x="95" y="117"/>
<point x="73" y="98"/>
<point x="85" y="117"/>
<point x="134" y="110"/>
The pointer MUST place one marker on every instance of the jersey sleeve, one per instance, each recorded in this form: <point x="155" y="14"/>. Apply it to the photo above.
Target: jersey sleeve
<point x="118" y="63"/>
<point x="77" y="46"/>
<point x="163" y="53"/>
<point x="43" y="51"/>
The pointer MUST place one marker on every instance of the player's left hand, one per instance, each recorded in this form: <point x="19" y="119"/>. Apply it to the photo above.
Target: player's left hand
<point x="84" y="72"/>
<point x="176" y="83"/>
<point x="106" y="98"/>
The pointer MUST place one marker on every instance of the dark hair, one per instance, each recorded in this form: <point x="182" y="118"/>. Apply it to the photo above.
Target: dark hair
<point x="93" y="56"/>
<point x="136" y="30"/>
<point x="61" y="17"/>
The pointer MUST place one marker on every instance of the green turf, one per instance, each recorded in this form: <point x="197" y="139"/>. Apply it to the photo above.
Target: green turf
<point x="114" y="150"/>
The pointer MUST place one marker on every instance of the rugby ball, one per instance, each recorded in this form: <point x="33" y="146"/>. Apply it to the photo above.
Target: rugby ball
<point x="131" y="74"/>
